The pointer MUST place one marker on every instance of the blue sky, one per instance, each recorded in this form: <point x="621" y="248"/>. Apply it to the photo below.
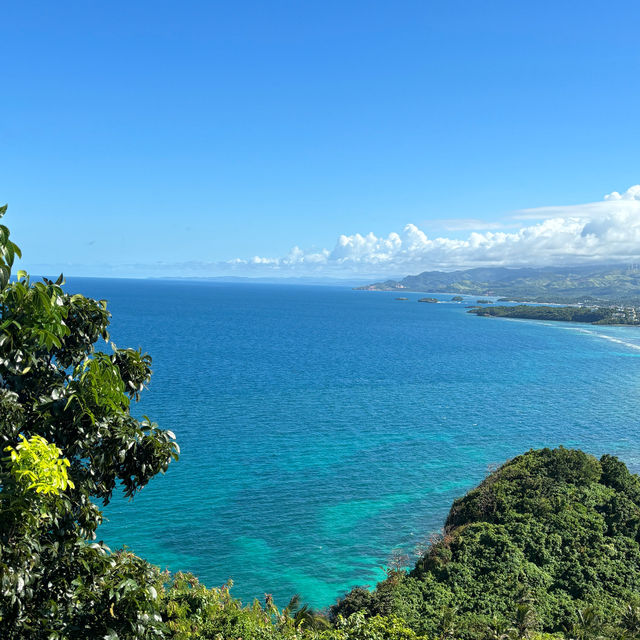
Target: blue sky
<point x="172" y="138"/>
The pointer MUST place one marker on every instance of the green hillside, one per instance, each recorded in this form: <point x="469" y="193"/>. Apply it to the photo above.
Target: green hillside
<point x="606" y="284"/>
<point x="549" y="542"/>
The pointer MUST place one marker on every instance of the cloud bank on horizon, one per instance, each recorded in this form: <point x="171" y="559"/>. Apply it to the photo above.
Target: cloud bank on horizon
<point x="607" y="231"/>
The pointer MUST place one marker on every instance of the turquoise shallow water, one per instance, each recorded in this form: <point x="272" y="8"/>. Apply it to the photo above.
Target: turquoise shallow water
<point x="323" y="428"/>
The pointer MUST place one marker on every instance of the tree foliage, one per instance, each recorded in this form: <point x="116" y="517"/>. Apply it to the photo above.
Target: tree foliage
<point x="65" y="421"/>
<point x="38" y="465"/>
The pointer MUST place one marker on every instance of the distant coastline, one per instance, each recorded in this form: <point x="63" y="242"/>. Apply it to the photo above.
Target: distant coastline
<point x="627" y="316"/>
<point x="593" y="286"/>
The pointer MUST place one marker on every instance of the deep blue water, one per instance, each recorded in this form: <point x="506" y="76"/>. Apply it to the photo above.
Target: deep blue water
<point x="323" y="428"/>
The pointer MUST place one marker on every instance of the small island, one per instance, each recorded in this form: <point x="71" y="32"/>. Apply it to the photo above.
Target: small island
<point x="432" y="300"/>
<point x="482" y="301"/>
<point x="457" y="299"/>
<point x="402" y="299"/>
<point x="590" y="315"/>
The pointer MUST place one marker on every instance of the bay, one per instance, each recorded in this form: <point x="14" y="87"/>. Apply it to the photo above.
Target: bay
<point x="325" y="430"/>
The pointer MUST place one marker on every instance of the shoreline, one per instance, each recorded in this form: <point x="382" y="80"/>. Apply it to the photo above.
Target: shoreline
<point x="510" y="299"/>
<point x="594" y="316"/>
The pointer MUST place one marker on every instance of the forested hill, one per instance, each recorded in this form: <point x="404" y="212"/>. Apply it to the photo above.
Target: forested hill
<point x="548" y="542"/>
<point x="607" y="284"/>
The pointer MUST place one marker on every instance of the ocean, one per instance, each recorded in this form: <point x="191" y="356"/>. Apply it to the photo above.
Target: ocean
<point x="325" y="431"/>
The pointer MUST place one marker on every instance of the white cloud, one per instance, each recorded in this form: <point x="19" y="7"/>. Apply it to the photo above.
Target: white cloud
<point x="605" y="231"/>
<point x="632" y="193"/>
<point x="612" y="202"/>
<point x="465" y="224"/>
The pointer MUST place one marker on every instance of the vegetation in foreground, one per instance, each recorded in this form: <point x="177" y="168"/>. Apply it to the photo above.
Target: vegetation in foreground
<point x="591" y="315"/>
<point x="548" y="544"/>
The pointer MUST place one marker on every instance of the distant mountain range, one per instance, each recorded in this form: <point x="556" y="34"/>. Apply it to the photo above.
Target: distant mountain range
<point x="610" y="284"/>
